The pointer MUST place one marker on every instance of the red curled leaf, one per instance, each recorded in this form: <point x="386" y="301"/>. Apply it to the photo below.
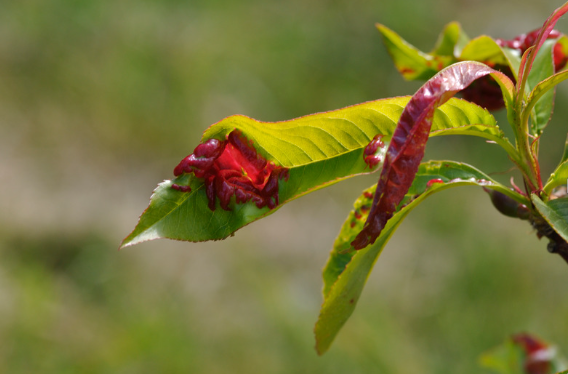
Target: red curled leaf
<point x="486" y="92"/>
<point x="408" y="142"/>
<point x="233" y="168"/>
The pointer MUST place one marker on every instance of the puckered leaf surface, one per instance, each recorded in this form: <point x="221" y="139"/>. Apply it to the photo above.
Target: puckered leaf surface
<point x="318" y="150"/>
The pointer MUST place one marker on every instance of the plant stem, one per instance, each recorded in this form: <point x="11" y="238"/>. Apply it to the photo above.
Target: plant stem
<point x="528" y="163"/>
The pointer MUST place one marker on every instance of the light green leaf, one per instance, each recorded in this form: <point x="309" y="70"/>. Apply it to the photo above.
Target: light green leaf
<point x="508" y="358"/>
<point x="484" y="49"/>
<point x="319" y="150"/>
<point x="485" y="126"/>
<point x="346" y="272"/>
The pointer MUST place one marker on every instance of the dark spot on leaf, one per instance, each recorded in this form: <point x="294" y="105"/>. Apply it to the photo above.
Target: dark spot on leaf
<point x="357" y="214"/>
<point x="351" y="301"/>
<point x="233" y="168"/>
<point x="368" y="195"/>
<point x="365" y="208"/>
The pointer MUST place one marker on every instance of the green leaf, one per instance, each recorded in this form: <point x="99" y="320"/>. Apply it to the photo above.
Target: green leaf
<point x="485" y="126"/>
<point x="541" y="97"/>
<point x="452" y="39"/>
<point x="508" y="358"/>
<point x="565" y="152"/>
<point x="346" y="271"/>
<point x="411" y="62"/>
<point x="555" y="212"/>
<point x="406" y="149"/>
<point x="543" y="103"/>
<point x="484" y="49"/>
<point x="558" y="178"/>
<point x="319" y="150"/>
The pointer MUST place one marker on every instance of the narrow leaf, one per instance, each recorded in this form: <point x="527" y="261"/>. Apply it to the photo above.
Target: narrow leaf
<point x="411" y="62"/>
<point x="346" y="271"/>
<point x="409" y="141"/>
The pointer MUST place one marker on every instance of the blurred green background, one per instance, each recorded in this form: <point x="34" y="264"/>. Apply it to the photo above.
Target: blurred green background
<point x="99" y="100"/>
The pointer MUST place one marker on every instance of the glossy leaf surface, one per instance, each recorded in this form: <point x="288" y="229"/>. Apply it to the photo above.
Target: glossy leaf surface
<point x="318" y="150"/>
<point x="346" y="271"/>
<point x="407" y="145"/>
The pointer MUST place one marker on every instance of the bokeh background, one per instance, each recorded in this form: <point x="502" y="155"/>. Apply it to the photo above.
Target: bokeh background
<point x="99" y="100"/>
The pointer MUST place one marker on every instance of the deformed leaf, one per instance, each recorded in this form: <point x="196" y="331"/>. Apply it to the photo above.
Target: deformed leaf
<point x="316" y="150"/>
<point x="407" y="145"/>
<point x="346" y="271"/>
